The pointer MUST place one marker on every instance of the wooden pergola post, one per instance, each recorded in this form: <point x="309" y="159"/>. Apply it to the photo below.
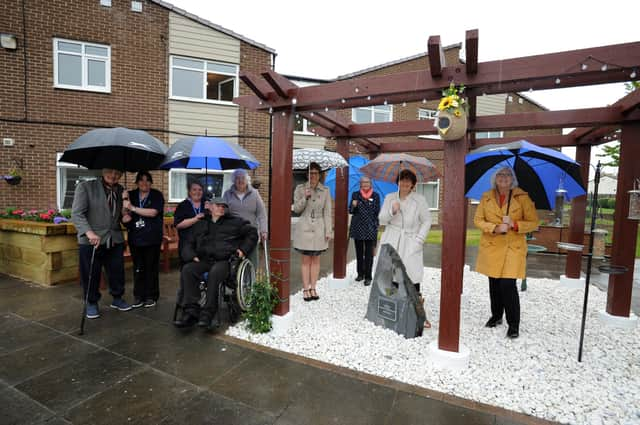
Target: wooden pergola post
<point x="280" y="221"/>
<point x="573" y="265"/>
<point x="341" y="237"/>
<point x="623" y="251"/>
<point x="453" y="234"/>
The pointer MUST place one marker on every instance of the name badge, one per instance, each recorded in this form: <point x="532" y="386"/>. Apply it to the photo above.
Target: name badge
<point x="140" y="224"/>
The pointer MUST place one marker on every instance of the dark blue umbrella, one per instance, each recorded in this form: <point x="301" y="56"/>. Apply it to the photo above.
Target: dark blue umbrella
<point x="540" y="171"/>
<point x="355" y="162"/>
<point x="208" y="153"/>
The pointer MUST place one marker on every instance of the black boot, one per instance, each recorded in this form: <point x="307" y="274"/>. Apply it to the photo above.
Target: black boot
<point x="186" y="321"/>
<point x="512" y="332"/>
<point x="493" y="322"/>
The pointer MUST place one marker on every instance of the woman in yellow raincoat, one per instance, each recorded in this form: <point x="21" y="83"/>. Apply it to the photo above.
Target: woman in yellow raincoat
<point x="505" y="215"/>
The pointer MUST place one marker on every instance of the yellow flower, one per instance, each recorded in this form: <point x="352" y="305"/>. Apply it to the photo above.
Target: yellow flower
<point x="457" y="113"/>
<point x="445" y="103"/>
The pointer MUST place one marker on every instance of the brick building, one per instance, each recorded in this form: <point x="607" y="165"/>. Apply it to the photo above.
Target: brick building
<point x="82" y="64"/>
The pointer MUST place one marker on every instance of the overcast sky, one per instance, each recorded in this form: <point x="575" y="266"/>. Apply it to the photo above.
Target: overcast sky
<point x="330" y="38"/>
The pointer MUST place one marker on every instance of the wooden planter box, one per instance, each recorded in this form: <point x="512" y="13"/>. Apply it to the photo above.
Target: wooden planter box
<point x="42" y="253"/>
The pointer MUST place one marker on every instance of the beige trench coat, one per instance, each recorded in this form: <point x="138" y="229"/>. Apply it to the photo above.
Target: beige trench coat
<point x="314" y="224"/>
<point x="500" y="255"/>
<point x="407" y="230"/>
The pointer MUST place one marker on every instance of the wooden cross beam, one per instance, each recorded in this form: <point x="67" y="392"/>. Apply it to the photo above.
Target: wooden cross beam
<point x="471" y="51"/>
<point x="555" y="70"/>
<point x="436" y="56"/>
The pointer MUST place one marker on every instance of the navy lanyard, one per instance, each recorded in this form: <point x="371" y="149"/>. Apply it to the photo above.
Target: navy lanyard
<point x="196" y="210"/>
<point x="141" y="201"/>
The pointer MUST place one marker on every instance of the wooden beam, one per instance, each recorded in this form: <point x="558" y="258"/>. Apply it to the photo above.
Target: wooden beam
<point x="471" y="51"/>
<point x="502" y="76"/>
<point x="573" y="265"/>
<point x="436" y="56"/>
<point x="256" y="84"/>
<point x="438" y="145"/>
<point x="281" y="85"/>
<point x="503" y="122"/>
<point x="341" y="221"/>
<point x="624" y="230"/>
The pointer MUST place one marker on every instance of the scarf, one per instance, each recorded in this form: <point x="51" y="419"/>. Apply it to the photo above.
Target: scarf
<point x="366" y="194"/>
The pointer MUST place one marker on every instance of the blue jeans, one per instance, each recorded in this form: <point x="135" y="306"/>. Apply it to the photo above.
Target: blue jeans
<point x="112" y="260"/>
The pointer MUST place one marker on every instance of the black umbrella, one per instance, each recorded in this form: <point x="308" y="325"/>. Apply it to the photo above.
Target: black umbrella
<point x="117" y="148"/>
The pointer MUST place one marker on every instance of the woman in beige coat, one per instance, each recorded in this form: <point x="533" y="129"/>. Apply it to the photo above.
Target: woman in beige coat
<point x="314" y="229"/>
<point x="505" y="215"/>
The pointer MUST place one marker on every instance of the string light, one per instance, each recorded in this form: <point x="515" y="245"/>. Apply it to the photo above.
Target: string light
<point x="284" y="114"/>
<point x="633" y="74"/>
<point x="326" y="109"/>
<point x="385" y="102"/>
<point x="424" y="100"/>
<point x="404" y="104"/>
<point x="530" y="89"/>
<point x="294" y="101"/>
<point x="270" y="110"/>
<point x="311" y="114"/>
<point x="557" y="80"/>
<point x="342" y="101"/>
<point x="604" y="67"/>
<point x="584" y="66"/>
<point x="368" y="97"/>
<point x="357" y="90"/>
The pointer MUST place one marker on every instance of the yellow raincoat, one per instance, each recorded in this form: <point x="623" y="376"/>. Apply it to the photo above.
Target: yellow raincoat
<point x="504" y="255"/>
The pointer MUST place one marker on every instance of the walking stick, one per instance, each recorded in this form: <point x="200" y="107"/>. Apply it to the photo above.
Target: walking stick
<point x="86" y="298"/>
<point x="266" y="258"/>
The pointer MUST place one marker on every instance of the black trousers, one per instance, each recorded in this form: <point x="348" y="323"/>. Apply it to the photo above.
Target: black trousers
<point x="191" y="276"/>
<point x="504" y="298"/>
<point x="364" y="257"/>
<point x="113" y="262"/>
<point x="146" y="264"/>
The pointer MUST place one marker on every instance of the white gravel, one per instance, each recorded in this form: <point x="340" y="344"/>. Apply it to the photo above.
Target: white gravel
<point x="537" y="374"/>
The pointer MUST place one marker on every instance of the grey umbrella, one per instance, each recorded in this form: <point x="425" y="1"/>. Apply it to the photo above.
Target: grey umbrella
<point x="118" y="148"/>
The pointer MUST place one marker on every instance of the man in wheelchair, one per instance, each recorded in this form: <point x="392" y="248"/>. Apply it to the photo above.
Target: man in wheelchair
<point x="209" y="248"/>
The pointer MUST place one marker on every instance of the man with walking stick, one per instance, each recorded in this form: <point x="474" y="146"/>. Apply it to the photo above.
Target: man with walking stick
<point x="96" y="212"/>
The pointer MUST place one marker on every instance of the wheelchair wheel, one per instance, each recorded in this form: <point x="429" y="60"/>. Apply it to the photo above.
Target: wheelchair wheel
<point x="245" y="277"/>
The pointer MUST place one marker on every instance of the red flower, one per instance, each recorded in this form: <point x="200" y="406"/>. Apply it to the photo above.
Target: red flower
<point x="51" y="211"/>
<point x="17" y="212"/>
<point x="45" y="216"/>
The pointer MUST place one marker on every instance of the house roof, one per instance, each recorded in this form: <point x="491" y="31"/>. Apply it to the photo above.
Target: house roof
<point x="528" y="99"/>
<point x="395" y="62"/>
<point x="213" y="26"/>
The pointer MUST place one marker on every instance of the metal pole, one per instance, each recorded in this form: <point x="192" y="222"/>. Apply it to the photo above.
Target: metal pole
<point x="86" y="297"/>
<point x="594" y="208"/>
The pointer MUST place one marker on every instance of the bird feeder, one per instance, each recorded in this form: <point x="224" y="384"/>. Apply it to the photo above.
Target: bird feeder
<point x="599" y="240"/>
<point x="634" y="203"/>
<point x="559" y="209"/>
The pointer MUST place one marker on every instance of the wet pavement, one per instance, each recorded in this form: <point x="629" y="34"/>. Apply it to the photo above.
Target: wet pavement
<point x="135" y="367"/>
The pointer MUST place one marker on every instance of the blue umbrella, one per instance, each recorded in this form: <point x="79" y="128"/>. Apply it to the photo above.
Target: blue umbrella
<point x="355" y="162"/>
<point x="540" y="171"/>
<point x="208" y="153"/>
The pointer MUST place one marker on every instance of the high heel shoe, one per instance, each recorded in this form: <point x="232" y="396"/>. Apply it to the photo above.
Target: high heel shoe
<point x="305" y="295"/>
<point x="314" y="294"/>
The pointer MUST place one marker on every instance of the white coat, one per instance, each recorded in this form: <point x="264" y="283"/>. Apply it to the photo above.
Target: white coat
<point x="407" y="230"/>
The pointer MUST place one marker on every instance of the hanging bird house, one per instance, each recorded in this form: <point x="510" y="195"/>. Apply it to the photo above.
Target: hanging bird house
<point x="634" y="205"/>
<point x="451" y="121"/>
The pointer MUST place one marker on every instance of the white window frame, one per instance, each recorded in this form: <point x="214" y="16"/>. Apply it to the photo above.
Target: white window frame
<point x="235" y="77"/>
<point x="85" y="66"/>
<point x="226" y="180"/>
<point x="305" y="128"/>
<point x="489" y="134"/>
<point x="372" y="109"/>
<point x="437" y="185"/>
<point x="59" y="167"/>
<point x="428" y="114"/>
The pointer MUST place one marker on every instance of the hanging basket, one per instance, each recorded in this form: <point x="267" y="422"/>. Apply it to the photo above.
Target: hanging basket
<point x="13" y="180"/>
<point x="452" y="126"/>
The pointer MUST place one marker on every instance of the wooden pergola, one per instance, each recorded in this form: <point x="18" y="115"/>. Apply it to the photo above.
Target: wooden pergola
<point x="277" y="95"/>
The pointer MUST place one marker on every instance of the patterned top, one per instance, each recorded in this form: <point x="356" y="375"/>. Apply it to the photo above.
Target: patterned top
<point x="364" y="223"/>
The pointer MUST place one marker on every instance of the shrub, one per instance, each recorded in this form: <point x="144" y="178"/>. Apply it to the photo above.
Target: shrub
<point x="262" y="299"/>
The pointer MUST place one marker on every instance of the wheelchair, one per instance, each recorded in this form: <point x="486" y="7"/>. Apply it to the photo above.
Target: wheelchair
<point x="234" y="292"/>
